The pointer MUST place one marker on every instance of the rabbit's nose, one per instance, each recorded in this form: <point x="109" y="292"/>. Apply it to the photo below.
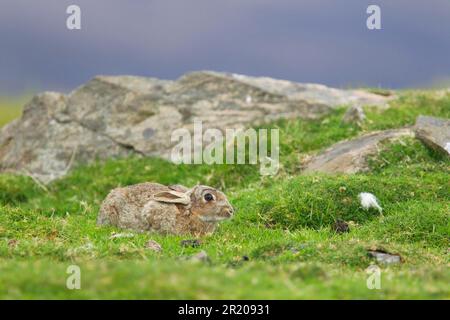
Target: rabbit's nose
<point x="229" y="211"/>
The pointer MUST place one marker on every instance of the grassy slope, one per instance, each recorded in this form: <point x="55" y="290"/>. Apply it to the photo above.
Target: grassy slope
<point x="10" y="108"/>
<point x="282" y="226"/>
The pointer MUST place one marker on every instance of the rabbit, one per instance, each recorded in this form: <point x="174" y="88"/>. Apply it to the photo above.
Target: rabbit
<point x="165" y="209"/>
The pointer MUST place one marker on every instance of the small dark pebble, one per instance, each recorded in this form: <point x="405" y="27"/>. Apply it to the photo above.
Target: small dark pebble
<point x="341" y="226"/>
<point x="194" y="243"/>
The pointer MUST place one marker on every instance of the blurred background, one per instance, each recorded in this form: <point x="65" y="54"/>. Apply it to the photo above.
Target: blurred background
<point x="323" y="41"/>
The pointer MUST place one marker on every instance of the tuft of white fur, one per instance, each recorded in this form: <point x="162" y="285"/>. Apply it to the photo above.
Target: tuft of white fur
<point x="368" y="200"/>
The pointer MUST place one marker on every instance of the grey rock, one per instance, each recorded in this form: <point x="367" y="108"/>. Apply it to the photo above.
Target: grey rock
<point x="385" y="257"/>
<point x="434" y="132"/>
<point x="45" y="142"/>
<point x="201" y="256"/>
<point x="122" y="115"/>
<point x="355" y="114"/>
<point x="351" y="156"/>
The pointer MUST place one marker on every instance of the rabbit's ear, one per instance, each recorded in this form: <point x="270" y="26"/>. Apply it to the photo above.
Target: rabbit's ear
<point x="178" y="187"/>
<point x="172" y="197"/>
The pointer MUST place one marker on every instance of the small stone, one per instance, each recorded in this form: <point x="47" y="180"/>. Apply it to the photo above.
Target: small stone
<point x="385" y="257"/>
<point x="340" y="226"/>
<point x="355" y="114"/>
<point x="153" y="245"/>
<point x="194" y="243"/>
<point x="201" y="256"/>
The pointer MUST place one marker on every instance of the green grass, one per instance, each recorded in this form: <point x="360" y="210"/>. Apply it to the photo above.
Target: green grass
<point x="11" y="108"/>
<point x="280" y="243"/>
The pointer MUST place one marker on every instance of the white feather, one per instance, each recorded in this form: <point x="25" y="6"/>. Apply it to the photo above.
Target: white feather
<point x="368" y="200"/>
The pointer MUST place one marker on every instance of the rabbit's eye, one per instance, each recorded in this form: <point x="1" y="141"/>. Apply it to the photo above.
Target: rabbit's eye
<point x="208" y="197"/>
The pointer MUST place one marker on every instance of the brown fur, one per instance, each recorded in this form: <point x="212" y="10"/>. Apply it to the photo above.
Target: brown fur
<point x="166" y="210"/>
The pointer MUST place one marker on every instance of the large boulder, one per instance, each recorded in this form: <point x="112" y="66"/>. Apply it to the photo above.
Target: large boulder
<point x="45" y="144"/>
<point x="434" y="132"/>
<point x="123" y="115"/>
<point x="351" y="156"/>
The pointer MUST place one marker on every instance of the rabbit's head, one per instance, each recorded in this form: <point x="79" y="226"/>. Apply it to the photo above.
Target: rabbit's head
<point x="209" y="204"/>
<point x="206" y="203"/>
